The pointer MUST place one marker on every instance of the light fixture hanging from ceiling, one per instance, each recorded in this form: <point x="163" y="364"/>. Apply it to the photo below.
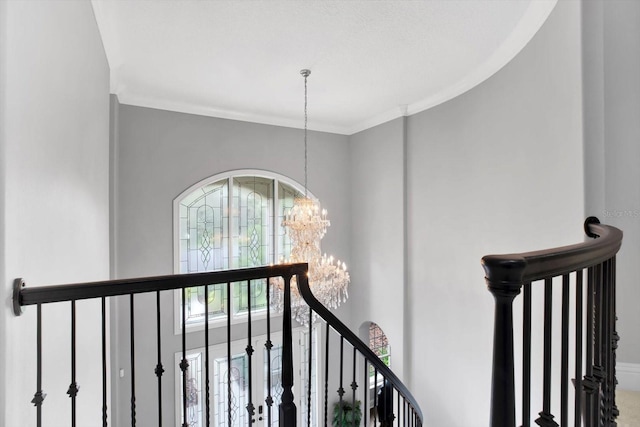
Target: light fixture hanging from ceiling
<point x="306" y="225"/>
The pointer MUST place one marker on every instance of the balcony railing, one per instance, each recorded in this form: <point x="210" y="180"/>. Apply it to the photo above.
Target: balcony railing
<point x="345" y="362"/>
<point x="584" y="276"/>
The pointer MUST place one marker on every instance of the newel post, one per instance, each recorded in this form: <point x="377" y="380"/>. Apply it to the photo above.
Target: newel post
<point x="287" y="408"/>
<point x="504" y="280"/>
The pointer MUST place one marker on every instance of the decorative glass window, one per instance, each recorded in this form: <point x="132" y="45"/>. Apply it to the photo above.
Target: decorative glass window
<point x="231" y="221"/>
<point x="230" y="392"/>
<point x="379" y="344"/>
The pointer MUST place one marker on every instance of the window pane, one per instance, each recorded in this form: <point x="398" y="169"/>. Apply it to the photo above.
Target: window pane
<point x="196" y="302"/>
<point x="194" y="391"/>
<point x="253" y="222"/>
<point x="234" y="392"/>
<point x="204" y="244"/>
<point x="204" y="229"/>
<point x="276" y="382"/>
<point x="286" y="196"/>
<point x="258" y="296"/>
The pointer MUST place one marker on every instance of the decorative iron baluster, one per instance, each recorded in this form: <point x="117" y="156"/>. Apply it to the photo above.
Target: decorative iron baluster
<point x="365" y="381"/>
<point x="39" y="397"/>
<point x="605" y="345"/>
<point x="206" y="357"/>
<point x="268" y="345"/>
<point x="614" y="342"/>
<point x="326" y="376"/>
<point x="184" y="363"/>
<point x="159" y="368"/>
<point x="73" y="387"/>
<point x="249" y="349"/>
<point x="104" y="362"/>
<point x="229" y="401"/>
<point x="375" y="396"/>
<point x="354" y="387"/>
<point x="133" y="360"/>
<point x="546" y="418"/>
<point x="526" y="358"/>
<point x="578" y="368"/>
<point x="310" y="360"/>
<point x="598" y="367"/>
<point x="564" y="363"/>
<point x="589" y="383"/>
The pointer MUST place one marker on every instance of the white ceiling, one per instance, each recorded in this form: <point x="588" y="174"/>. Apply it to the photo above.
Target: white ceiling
<point x="241" y="59"/>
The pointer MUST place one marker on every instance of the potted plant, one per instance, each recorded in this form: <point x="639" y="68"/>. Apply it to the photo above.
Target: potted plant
<point x="345" y="414"/>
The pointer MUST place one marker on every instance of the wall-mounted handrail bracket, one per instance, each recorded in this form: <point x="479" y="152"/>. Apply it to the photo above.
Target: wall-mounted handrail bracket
<point x="18" y="284"/>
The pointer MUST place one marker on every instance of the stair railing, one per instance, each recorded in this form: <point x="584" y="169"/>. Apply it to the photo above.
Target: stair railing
<point x="392" y="403"/>
<point x="72" y="293"/>
<point x="590" y="269"/>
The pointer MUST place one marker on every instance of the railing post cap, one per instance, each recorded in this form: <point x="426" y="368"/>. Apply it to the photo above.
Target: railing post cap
<point x="504" y="272"/>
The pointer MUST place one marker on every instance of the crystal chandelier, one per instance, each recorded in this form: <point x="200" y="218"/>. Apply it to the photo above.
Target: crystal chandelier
<point x="306" y="225"/>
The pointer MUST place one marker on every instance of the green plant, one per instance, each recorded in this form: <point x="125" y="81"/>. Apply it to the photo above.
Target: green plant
<point x="345" y="414"/>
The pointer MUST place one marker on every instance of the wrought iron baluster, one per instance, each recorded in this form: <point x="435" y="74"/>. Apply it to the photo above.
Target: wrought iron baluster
<point x="546" y="418"/>
<point x="578" y="368"/>
<point x="229" y="400"/>
<point x="375" y="396"/>
<point x="133" y="360"/>
<point x="249" y="350"/>
<point x="365" y="400"/>
<point x="526" y="357"/>
<point x="104" y="362"/>
<point x="310" y="372"/>
<point x="614" y="340"/>
<point x="268" y="345"/>
<point x="341" y="389"/>
<point x="39" y="397"/>
<point x="564" y="363"/>
<point x="207" y="397"/>
<point x="73" y="387"/>
<point x="354" y="387"/>
<point x="159" y="368"/>
<point x="598" y="368"/>
<point x="184" y="363"/>
<point x="326" y="377"/>
<point x="589" y="383"/>
<point x="605" y="344"/>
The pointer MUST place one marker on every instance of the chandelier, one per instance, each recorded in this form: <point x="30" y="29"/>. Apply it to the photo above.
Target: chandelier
<point x="306" y="225"/>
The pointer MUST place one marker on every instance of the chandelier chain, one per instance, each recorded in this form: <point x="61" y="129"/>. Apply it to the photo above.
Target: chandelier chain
<point x="305" y="133"/>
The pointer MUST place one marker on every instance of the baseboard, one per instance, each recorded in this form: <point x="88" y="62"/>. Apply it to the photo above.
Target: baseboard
<point x="628" y="375"/>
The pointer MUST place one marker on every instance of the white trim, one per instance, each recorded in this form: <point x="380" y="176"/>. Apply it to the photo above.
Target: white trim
<point x="628" y="375"/>
<point x="128" y="98"/>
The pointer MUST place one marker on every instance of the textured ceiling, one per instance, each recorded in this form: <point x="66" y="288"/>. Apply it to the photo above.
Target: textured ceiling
<point x="241" y="59"/>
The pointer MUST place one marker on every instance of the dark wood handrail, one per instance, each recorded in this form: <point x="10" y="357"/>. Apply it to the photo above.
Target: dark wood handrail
<point x="505" y="277"/>
<point x="57" y="293"/>
<point x="604" y="242"/>
<point x="357" y="343"/>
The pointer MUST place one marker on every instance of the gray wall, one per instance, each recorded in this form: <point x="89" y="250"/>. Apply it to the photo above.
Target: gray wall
<point x="54" y="124"/>
<point x="485" y="172"/>
<point x="159" y="155"/>
<point x="377" y="234"/>
<point x="612" y="141"/>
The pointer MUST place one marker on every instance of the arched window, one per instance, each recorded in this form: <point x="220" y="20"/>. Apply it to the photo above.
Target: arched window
<point x="379" y="344"/>
<point x="228" y="221"/>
